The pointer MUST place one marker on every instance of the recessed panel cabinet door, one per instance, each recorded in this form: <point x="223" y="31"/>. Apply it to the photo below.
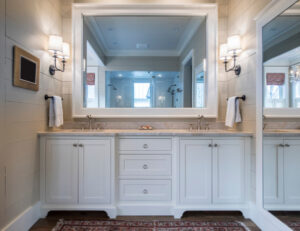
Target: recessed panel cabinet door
<point x="61" y="171"/>
<point x="228" y="171"/>
<point x="94" y="171"/>
<point x="273" y="171"/>
<point x="195" y="171"/>
<point x="292" y="171"/>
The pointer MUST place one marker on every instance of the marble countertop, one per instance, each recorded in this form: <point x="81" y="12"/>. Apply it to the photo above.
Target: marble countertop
<point x="282" y="132"/>
<point x="136" y="132"/>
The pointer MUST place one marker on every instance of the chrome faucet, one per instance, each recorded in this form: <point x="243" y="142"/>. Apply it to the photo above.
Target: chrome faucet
<point x="199" y="122"/>
<point x="89" y="117"/>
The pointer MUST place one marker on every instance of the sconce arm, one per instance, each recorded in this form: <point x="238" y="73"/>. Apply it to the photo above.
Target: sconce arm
<point x="54" y="68"/>
<point x="235" y="68"/>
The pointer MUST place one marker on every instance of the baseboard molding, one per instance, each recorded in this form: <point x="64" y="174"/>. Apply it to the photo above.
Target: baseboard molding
<point x="265" y="220"/>
<point x="25" y="220"/>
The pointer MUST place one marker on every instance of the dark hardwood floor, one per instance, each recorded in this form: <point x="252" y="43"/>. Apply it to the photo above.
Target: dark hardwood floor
<point x="50" y="221"/>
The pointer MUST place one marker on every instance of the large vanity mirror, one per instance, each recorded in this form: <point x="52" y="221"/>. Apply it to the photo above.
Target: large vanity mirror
<point x="281" y="61"/>
<point x="145" y="65"/>
<point x="281" y="136"/>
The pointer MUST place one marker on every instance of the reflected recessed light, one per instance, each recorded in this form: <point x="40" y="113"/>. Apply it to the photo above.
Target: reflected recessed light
<point x="141" y="46"/>
<point x="120" y="75"/>
<point x="159" y="75"/>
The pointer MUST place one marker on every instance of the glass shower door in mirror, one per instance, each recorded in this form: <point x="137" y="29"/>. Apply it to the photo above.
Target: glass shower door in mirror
<point x="281" y="141"/>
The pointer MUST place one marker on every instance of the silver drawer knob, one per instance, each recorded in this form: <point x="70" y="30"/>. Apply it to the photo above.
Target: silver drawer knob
<point x="80" y="145"/>
<point x="280" y="145"/>
<point x="74" y="145"/>
<point x="145" y="166"/>
<point x="145" y="146"/>
<point x="145" y="191"/>
<point x="215" y="145"/>
<point x="210" y="145"/>
<point x="287" y="145"/>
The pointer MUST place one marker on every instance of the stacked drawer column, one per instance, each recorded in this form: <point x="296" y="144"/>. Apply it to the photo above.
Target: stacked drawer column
<point x="145" y="175"/>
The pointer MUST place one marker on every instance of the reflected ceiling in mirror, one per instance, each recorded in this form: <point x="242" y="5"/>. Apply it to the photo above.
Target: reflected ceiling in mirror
<point x="281" y="55"/>
<point x="162" y="57"/>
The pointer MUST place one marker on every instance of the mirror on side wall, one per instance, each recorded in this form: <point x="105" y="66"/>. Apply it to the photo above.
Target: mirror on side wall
<point x="281" y="141"/>
<point x="144" y="62"/>
<point x="281" y="62"/>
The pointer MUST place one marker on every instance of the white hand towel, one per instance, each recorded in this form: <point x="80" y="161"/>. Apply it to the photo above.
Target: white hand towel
<point x="233" y="114"/>
<point x="238" y="117"/>
<point x="56" y="118"/>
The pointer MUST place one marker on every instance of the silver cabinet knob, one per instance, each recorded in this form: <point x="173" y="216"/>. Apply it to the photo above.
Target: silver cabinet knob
<point x="216" y="145"/>
<point x="280" y="145"/>
<point x="210" y="145"/>
<point x="145" y="146"/>
<point x="80" y="145"/>
<point x="286" y="145"/>
<point x="74" y="145"/>
<point x="145" y="166"/>
<point x="145" y="191"/>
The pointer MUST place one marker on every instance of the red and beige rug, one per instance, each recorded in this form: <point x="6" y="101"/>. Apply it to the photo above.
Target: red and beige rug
<point x="119" y="225"/>
<point x="294" y="225"/>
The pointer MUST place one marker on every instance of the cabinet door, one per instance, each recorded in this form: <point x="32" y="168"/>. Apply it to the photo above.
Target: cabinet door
<point x="94" y="171"/>
<point x="273" y="171"/>
<point x="228" y="171"/>
<point x="61" y="171"/>
<point x="292" y="171"/>
<point x="195" y="171"/>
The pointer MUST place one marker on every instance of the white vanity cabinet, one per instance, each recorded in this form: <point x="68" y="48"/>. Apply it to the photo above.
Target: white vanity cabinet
<point x="212" y="171"/>
<point x="145" y="174"/>
<point x="76" y="173"/>
<point x="281" y="173"/>
<point x="61" y="171"/>
<point x="195" y="159"/>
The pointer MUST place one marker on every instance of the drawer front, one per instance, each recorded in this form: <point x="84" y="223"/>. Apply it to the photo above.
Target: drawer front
<point x="145" y="165"/>
<point x="164" y="144"/>
<point x="145" y="190"/>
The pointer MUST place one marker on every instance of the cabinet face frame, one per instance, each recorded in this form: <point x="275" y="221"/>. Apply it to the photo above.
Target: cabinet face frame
<point x="193" y="9"/>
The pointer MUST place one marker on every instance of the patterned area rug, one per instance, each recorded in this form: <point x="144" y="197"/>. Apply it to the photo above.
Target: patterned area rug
<point x="119" y="225"/>
<point x="294" y="225"/>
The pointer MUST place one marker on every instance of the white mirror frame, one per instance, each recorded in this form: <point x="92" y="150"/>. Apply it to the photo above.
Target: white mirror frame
<point x="281" y="112"/>
<point x="96" y="9"/>
<point x="262" y="217"/>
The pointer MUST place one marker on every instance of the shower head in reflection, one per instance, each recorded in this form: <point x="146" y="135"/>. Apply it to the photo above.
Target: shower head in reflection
<point x="170" y="88"/>
<point x="113" y="87"/>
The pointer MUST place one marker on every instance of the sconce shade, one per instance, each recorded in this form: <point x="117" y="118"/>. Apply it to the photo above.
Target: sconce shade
<point x="224" y="52"/>
<point x="55" y="44"/>
<point x="65" y="51"/>
<point x="234" y="44"/>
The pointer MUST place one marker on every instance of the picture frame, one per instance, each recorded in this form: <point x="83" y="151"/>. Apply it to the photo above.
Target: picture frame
<point x="26" y="70"/>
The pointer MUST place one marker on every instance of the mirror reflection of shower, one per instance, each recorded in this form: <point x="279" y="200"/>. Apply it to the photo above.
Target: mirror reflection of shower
<point x="173" y="91"/>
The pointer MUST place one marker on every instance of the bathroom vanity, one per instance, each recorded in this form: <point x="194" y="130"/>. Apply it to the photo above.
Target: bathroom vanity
<point x="131" y="172"/>
<point x="281" y="171"/>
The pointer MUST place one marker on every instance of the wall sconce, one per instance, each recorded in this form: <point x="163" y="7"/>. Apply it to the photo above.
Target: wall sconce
<point x="230" y="51"/>
<point x="58" y="49"/>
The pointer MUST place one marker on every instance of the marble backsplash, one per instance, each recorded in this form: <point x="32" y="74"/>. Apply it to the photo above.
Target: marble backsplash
<point x="136" y="123"/>
<point x="288" y="123"/>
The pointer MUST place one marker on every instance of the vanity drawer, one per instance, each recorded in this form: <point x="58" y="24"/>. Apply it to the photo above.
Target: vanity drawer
<point x="145" y="190"/>
<point x="136" y="144"/>
<point x="145" y="165"/>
